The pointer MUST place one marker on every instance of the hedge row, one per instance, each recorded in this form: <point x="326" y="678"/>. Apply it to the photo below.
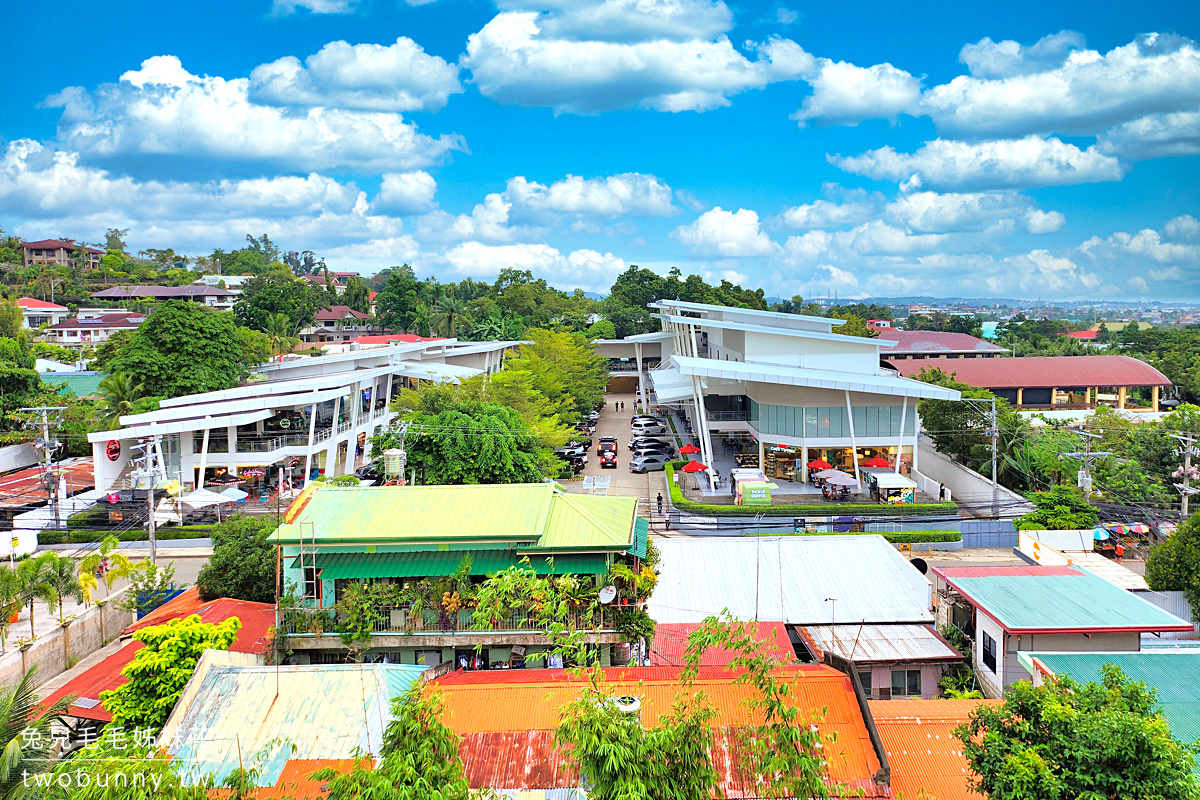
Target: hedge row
<point x="799" y="509"/>
<point x="85" y="536"/>
<point x="895" y="537"/>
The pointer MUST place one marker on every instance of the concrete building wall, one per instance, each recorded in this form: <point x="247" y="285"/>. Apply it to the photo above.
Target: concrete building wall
<point x="794" y="351"/>
<point x="881" y="678"/>
<point x="53" y="653"/>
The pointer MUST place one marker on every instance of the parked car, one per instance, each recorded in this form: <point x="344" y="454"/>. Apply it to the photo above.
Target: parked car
<point x="608" y="459"/>
<point x="593" y="416"/>
<point x="667" y="451"/>
<point x="572" y="450"/>
<point x="584" y="442"/>
<point x="653" y="462"/>
<point x="606" y="443"/>
<point x="574" y="465"/>
<point x="639" y="441"/>
<point x="647" y="427"/>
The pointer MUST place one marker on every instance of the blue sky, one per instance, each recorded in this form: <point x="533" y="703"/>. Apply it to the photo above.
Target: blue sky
<point x="1021" y="150"/>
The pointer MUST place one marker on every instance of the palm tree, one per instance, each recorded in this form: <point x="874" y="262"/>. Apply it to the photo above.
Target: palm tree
<point x="10" y="602"/>
<point x="21" y="721"/>
<point x="33" y="575"/>
<point x="420" y="320"/>
<point x="118" y="396"/>
<point x="119" y="566"/>
<point x="64" y="580"/>
<point x="448" y="313"/>
<point x="279" y="330"/>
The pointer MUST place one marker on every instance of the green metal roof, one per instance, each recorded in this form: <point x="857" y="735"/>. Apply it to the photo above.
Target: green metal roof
<point x="540" y="516"/>
<point x="1057" y="600"/>
<point x="1174" y="673"/>
<point x="440" y="563"/>
<point x="81" y="384"/>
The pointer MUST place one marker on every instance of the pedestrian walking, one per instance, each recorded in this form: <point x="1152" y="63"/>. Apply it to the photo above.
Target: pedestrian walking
<point x="941" y="491"/>
<point x="660" y="504"/>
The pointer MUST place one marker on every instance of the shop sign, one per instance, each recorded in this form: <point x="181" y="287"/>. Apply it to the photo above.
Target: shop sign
<point x="285" y="423"/>
<point x="758" y="494"/>
<point x="112" y="449"/>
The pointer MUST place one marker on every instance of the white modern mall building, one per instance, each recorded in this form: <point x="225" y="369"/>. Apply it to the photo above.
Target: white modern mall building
<point x="300" y="418"/>
<point x="786" y="382"/>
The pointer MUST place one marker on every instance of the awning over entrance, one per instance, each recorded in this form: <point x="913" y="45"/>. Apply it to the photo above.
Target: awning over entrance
<point x="670" y="386"/>
<point x="441" y="563"/>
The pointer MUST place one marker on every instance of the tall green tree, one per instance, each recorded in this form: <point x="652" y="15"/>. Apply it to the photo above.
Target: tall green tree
<point x="118" y="565"/>
<point x="564" y="368"/>
<point x="281" y="334"/>
<point x="35" y="582"/>
<point x="63" y="577"/>
<point x="449" y="314"/>
<point x="183" y="348"/>
<point x="263" y="297"/>
<point x="357" y="294"/>
<point x="1065" y="739"/>
<point x="242" y="565"/>
<point x="1174" y="564"/>
<point x="161" y="669"/>
<point x="12" y="319"/>
<point x="118" y="397"/>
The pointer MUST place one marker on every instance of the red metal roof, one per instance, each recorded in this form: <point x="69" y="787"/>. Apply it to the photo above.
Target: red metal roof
<point x="386" y="338"/>
<point x="34" y="304"/>
<point x="120" y="321"/>
<point x="918" y="737"/>
<point x="256" y="618"/>
<point x="501" y="712"/>
<point x="1033" y="570"/>
<point x="26" y="487"/>
<point x="934" y="342"/>
<point x="1085" y="335"/>
<point x="1040" y="372"/>
<point x="670" y="642"/>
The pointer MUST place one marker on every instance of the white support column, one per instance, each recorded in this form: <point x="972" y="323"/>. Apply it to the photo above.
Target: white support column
<point x="900" y="436"/>
<point x="853" y="441"/>
<point x="702" y="416"/>
<point x="356" y="420"/>
<point x="804" y="463"/>
<point x="331" y="449"/>
<point x="162" y="462"/>
<point x="916" y="433"/>
<point x="203" y="458"/>
<point x="312" y="428"/>
<point x="641" y="389"/>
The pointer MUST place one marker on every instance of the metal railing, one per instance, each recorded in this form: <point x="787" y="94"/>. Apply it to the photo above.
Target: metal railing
<point x="728" y="416"/>
<point x="402" y="620"/>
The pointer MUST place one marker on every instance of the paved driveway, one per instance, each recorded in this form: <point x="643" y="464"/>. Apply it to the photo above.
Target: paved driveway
<point x="623" y="482"/>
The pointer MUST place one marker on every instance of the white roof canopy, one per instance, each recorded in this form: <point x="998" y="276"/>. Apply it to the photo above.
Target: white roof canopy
<point x="890" y="480"/>
<point x="670" y="386"/>
<point x="813" y="378"/>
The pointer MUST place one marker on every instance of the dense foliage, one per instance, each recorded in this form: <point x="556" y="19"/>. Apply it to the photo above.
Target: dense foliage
<point x="242" y="565"/>
<point x="185" y="348"/>
<point x="1066" y="739"/>
<point x="1174" y="565"/>
<point x="1061" y="508"/>
<point x="156" y="677"/>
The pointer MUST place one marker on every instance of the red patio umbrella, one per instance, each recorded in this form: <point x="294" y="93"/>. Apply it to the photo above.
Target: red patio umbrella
<point x="876" y="461"/>
<point x="689" y="449"/>
<point x="694" y="466"/>
<point x="819" y="463"/>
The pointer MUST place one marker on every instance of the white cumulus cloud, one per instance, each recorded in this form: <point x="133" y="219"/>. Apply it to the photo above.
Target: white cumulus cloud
<point x="405" y="193"/>
<point x="988" y="59"/>
<point x="1037" y="221"/>
<point x="846" y="94"/>
<point x="516" y="59"/>
<point x="1154" y="136"/>
<point x="627" y="20"/>
<point x="584" y="269"/>
<point x="627" y="194"/>
<point x="1182" y="227"/>
<point x="1004" y="163"/>
<point x="162" y="114"/>
<point x="370" y="77"/>
<point x="730" y="234"/>
<point x="283" y="7"/>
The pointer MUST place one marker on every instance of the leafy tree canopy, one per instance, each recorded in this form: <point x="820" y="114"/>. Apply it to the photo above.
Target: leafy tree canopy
<point x="1061" y="508"/>
<point x="264" y="296"/>
<point x="1174" y="564"/>
<point x="1066" y="739"/>
<point x="242" y="565"/>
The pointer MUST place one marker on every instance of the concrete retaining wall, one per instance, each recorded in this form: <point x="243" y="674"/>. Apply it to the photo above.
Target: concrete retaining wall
<point x="51" y="653"/>
<point x="968" y="486"/>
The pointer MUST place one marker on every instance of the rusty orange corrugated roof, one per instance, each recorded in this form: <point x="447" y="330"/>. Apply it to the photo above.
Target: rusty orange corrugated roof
<point x="477" y="707"/>
<point x="918" y="737"/>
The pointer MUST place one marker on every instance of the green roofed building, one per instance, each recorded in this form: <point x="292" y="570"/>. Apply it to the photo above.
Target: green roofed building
<point x="1010" y="610"/>
<point x="1173" y="672"/>
<point x="415" y="536"/>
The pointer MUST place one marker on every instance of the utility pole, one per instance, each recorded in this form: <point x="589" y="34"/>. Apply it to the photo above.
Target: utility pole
<point x="993" y="433"/>
<point x="1087" y="457"/>
<point x="1185" y="489"/>
<point x="46" y="445"/>
<point x="145" y="472"/>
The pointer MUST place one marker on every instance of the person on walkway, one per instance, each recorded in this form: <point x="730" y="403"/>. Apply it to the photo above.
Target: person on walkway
<point x="660" y="504"/>
<point x="941" y="491"/>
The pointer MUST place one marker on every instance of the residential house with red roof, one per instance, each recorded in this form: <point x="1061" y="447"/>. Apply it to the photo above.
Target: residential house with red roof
<point x="339" y="323"/>
<point x="59" y="252"/>
<point x="38" y="312"/>
<point x="92" y="330"/>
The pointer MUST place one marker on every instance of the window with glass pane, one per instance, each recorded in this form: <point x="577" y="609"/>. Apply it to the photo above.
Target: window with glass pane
<point x="989" y="652"/>
<point x="914" y="683"/>
<point x="865" y="679"/>
<point x="899" y="683"/>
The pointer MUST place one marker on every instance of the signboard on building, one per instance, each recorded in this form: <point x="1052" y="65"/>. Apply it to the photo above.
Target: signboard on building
<point x="112" y="449"/>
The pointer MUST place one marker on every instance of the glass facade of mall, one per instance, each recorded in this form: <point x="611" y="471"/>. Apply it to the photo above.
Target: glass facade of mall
<point x="831" y="422"/>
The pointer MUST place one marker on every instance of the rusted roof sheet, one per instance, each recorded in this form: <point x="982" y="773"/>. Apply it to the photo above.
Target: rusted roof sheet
<point x="879" y="644"/>
<point x="516" y="760"/>
<point x="256" y="618"/>
<point x="934" y="342"/>
<point x="1040" y="372"/>
<point x="921" y="749"/>
<point x="670" y="643"/>
<point x="503" y="705"/>
<point x="26" y="487"/>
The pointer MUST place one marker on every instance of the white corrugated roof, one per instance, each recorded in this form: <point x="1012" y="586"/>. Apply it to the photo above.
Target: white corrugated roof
<point x="1111" y="571"/>
<point x="788" y="578"/>
<point x="874" y="644"/>
<point x="816" y="378"/>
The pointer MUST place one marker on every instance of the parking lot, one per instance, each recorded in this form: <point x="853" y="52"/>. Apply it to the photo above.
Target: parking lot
<point x="616" y="423"/>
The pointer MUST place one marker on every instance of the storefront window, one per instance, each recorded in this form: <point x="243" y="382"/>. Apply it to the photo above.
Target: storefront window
<point x="831" y="422"/>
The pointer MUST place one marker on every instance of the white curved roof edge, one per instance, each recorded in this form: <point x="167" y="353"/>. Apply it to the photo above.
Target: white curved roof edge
<point x="290" y="386"/>
<point x="814" y="378"/>
<point x="798" y="332"/>
<point x="752" y="312"/>
<point x="201" y="410"/>
<point x="180" y="426"/>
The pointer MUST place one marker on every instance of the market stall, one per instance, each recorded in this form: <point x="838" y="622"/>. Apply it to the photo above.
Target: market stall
<point x="888" y="487"/>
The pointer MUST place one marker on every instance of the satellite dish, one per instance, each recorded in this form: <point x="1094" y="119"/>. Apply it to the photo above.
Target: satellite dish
<point x="608" y="594"/>
<point x="920" y="564"/>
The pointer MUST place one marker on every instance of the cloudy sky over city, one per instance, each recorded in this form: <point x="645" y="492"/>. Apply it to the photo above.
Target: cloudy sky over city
<point x="1034" y="150"/>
